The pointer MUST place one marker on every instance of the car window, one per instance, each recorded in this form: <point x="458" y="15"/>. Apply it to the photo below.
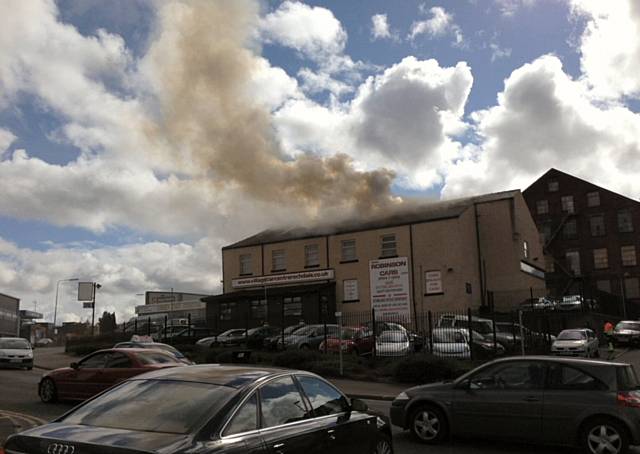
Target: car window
<point x="568" y="378"/>
<point x="118" y="360"/>
<point x="281" y="402"/>
<point x="446" y="322"/>
<point x="627" y="379"/>
<point x="510" y="376"/>
<point x="571" y="335"/>
<point x="245" y="419"/>
<point x="15" y="344"/>
<point x="324" y="398"/>
<point x="93" y="362"/>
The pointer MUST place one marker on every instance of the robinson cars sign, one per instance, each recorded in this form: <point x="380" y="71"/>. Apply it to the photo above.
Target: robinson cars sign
<point x="280" y="279"/>
<point x="389" y="280"/>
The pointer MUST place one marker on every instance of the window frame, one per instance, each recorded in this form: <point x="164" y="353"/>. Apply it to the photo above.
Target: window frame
<point x="547" y="383"/>
<point x="297" y="379"/>
<point x="525" y="249"/>
<point x="542" y="206"/>
<point x="591" y="197"/>
<point x="383" y="241"/>
<point x="628" y="247"/>
<point x="246" y="269"/>
<point x="553" y="185"/>
<point x="309" y="254"/>
<point x="234" y="412"/>
<point x="570" y="234"/>
<point x="569" y="208"/>
<point x="596" y="233"/>
<point x="281" y="253"/>
<point x="577" y="253"/>
<point x="489" y="367"/>
<point x="303" y="397"/>
<point x="630" y="219"/>
<point x="343" y="257"/>
<point x="604" y="263"/>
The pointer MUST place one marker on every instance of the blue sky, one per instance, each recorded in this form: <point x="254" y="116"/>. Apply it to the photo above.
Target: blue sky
<point x="138" y="137"/>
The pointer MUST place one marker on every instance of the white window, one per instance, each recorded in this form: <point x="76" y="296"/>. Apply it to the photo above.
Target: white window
<point x="567" y="204"/>
<point x="573" y="261"/>
<point x="348" y="250"/>
<point x="350" y="291"/>
<point x="553" y="185"/>
<point x="388" y="245"/>
<point x="542" y="206"/>
<point x="311" y="255"/>
<point x="593" y="199"/>
<point x="628" y="254"/>
<point x="525" y="249"/>
<point x="278" y="260"/>
<point x="245" y="264"/>
<point x="600" y="259"/>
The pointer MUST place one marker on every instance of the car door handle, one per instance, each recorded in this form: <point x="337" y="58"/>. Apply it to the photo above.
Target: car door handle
<point x="531" y="399"/>
<point x="278" y="448"/>
<point x="331" y="433"/>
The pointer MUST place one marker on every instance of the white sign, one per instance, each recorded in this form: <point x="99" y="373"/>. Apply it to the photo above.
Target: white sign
<point x="432" y="282"/>
<point x="389" y="281"/>
<point x="282" y="279"/>
<point x="85" y="291"/>
<point x="350" y="288"/>
<point x="526" y="268"/>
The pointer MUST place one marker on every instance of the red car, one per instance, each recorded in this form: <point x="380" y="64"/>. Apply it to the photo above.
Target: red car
<point x="348" y="341"/>
<point x="99" y="371"/>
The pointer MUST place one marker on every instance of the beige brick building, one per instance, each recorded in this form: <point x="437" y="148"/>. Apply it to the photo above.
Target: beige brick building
<point x="476" y="252"/>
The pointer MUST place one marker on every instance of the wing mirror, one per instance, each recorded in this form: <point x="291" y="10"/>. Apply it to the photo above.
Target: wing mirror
<point x="358" y="405"/>
<point x="74" y="365"/>
<point x="464" y="384"/>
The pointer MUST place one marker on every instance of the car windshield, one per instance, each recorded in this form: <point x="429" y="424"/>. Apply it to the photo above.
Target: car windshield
<point x="14" y="344"/>
<point x="628" y="325"/>
<point x="153" y="406"/>
<point x="292" y="329"/>
<point x="481" y="327"/>
<point x="232" y="332"/>
<point x="571" y="335"/>
<point x="393" y="336"/>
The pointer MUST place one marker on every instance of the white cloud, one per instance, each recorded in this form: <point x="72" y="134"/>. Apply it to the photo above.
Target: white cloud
<point x="440" y="24"/>
<point x="6" y="139"/>
<point x="545" y="119"/>
<point x="610" y="47"/>
<point x="380" y="28"/>
<point x="509" y="8"/>
<point x="498" y="52"/>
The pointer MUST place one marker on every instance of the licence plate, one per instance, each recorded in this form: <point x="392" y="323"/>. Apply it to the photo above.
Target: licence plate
<point x="15" y="360"/>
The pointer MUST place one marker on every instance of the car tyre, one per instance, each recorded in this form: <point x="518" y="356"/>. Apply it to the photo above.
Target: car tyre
<point x="383" y="445"/>
<point x="428" y="425"/>
<point x="604" y="435"/>
<point x="47" y="391"/>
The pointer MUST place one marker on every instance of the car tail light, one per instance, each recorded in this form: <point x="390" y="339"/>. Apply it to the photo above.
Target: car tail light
<point x="629" y="399"/>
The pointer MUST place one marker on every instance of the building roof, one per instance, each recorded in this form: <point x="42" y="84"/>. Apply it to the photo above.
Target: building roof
<point x="409" y="213"/>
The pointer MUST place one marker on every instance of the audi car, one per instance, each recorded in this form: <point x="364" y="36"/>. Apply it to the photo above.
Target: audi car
<point x="213" y="409"/>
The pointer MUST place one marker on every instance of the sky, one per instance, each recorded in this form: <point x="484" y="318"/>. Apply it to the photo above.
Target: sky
<point x="138" y="137"/>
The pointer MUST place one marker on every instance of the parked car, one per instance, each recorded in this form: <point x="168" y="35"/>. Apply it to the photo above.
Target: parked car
<point x="511" y="334"/>
<point x="627" y="332"/>
<point x="16" y="352"/>
<point x="156" y="346"/>
<point x="229" y="338"/>
<point x="450" y="343"/>
<point x="214" y="409"/>
<point x="594" y="404"/>
<point x="576" y="342"/>
<point x="271" y="343"/>
<point x="346" y="340"/>
<point x="393" y="343"/>
<point x="43" y="342"/>
<point x="416" y="340"/>
<point x="482" y="326"/>
<point x="309" y="337"/>
<point x="99" y="371"/>
<point x="577" y="303"/>
<point x="187" y="334"/>
<point x="539" y="304"/>
<point x="257" y="336"/>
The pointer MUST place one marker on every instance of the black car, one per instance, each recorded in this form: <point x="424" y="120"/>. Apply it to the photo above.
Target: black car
<point x="213" y="409"/>
<point x="534" y="399"/>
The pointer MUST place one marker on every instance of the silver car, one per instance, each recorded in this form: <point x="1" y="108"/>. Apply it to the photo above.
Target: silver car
<point x="576" y="342"/>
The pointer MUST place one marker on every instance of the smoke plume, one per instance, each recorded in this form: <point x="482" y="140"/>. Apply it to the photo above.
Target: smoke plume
<point x="204" y="63"/>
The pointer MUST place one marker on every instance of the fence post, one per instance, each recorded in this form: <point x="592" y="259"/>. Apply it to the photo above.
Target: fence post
<point x="246" y="331"/>
<point x="373" y="332"/>
<point x="430" y="320"/>
<point x="469" y="328"/>
<point x="513" y="331"/>
<point x="325" y="336"/>
<point x="166" y="321"/>
<point x="135" y="326"/>
<point x="283" y="322"/>
<point x="521" y="332"/>
<point x="189" y="324"/>
<point x="149" y="326"/>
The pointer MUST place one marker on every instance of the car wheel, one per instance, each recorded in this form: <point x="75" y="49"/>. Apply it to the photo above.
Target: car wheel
<point x="428" y="425"/>
<point x="48" y="392"/>
<point x="605" y="436"/>
<point x="383" y="445"/>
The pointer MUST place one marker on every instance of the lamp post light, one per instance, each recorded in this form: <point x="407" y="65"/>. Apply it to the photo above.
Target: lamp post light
<point x="55" y="308"/>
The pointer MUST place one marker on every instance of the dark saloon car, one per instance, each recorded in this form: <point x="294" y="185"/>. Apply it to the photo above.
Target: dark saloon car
<point x="213" y="409"/>
<point x="99" y="371"/>
<point x="534" y="399"/>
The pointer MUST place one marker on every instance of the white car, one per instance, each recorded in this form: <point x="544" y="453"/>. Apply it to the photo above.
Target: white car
<point x="393" y="343"/>
<point x="228" y="338"/>
<point x="576" y="342"/>
<point x="15" y="352"/>
<point x="450" y="343"/>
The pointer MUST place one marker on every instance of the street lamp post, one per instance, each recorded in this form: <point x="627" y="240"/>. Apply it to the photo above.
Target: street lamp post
<point x="55" y="308"/>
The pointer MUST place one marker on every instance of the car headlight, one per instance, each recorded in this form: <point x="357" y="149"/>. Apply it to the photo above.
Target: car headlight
<point x="402" y="396"/>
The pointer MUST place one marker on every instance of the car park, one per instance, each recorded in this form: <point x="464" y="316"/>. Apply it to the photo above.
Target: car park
<point x="576" y="342"/>
<point x="229" y="338"/>
<point x="627" y="332"/>
<point x="309" y="337"/>
<point x="214" y="409"/>
<point x="15" y="352"/>
<point x="99" y="371"/>
<point x="271" y="342"/>
<point x="156" y="346"/>
<point x="482" y="326"/>
<point x="532" y="399"/>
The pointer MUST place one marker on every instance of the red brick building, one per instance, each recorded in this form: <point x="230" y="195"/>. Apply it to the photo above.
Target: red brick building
<point x="591" y="237"/>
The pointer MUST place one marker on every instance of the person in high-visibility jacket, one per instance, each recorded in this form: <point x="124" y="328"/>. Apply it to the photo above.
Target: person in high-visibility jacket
<point x="608" y="333"/>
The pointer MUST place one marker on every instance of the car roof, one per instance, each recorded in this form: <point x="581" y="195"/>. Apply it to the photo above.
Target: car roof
<point x="216" y="374"/>
<point x="558" y="359"/>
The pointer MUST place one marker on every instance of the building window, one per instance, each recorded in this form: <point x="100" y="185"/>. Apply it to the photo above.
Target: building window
<point x="553" y="185"/>
<point x="567" y="204"/>
<point x="245" y="264"/>
<point x="600" y="259"/>
<point x="593" y="199"/>
<point x="549" y="264"/>
<point x="628" y="254"/>
<point x="625" y="221"/>
<point x="545" y="231"/>
<point x="348" y="250"/>
<point x="259" y="309"/>
<point x="542" y="206"/>
<point x="631" y="287"/>
<point x="292" y="306"/>
<point x="573" y="262"/>
<point x="388" y="245"/>
<point x="350" y="291"/>
<point x="278" y="260"/>
<point x="596" y="223"/>
<point x="525" y="249"/>
<point x="570" y="230"/>
<point x="226" y="311"/>
<point x="311" y="256"/>
<point x="604" y="285"/>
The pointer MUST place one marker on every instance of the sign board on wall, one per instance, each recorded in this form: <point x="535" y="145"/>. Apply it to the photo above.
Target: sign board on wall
<point x="350" y="288"/>
<point x="389" y="281"/>
<point x="433" y="282"/>
<point x="283" y="279"/>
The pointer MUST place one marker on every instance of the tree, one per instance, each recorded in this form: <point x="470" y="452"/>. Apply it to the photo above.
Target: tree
<point x="107" y="322"/>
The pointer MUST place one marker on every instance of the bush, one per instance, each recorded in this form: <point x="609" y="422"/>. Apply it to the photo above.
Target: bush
<point x="426" y="368"/>
<point x="85" y="349"/>
<point x="295" y="359"/>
